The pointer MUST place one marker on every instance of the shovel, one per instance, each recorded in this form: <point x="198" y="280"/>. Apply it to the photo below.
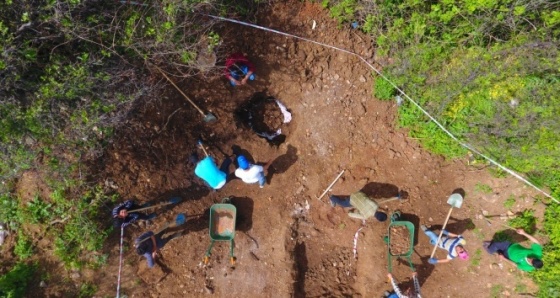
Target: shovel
<point x="207" y="117"/>
<point x="179" y="221"/>
<point x="456" y="201"/>
<point x="173" y="200"/>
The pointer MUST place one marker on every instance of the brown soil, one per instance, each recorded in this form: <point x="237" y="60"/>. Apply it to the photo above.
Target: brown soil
<point x="288" y="243"/>
<point x="399" y="240"/>
<point x="224" y="223"/>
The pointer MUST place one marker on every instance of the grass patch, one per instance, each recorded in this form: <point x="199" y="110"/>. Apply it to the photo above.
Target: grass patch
<point x="509" y="202"/>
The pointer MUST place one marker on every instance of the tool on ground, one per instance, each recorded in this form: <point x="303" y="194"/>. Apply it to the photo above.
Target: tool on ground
<point x="489" y="222"/>
<point x="209" y="117"/>
<point x="389" y="239"/>
<point x="456" y="201"/>
<point x="331" y="185"/>
<point x="222" y="226"/>
<point x="174" y="200"/>
<point x="202" y="147"/>
<point x="179" y="221"/>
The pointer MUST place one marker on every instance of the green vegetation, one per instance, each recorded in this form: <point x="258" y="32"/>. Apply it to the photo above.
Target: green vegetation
<point x="71" y="72"/>
<point x="487" y="70"/>
<point x="496" y="291"/>
<point x="510" y="202"/>
<point x="525" y="220"/>
<point x="547" y="277"/>
<point x="14" y="283"/>
<point x="483" y="188"/>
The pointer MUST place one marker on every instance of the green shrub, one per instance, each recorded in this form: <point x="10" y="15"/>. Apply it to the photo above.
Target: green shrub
<point x="23" y="248"/>
<point x="383" y="89"/>
<point x="526" y="220"/>
<point x="548" y="277"/>
<point x="15" y="283"/>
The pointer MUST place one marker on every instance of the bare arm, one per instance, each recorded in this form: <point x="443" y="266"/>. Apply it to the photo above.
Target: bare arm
<point x="452" y="235"/>
<point x="533" y="239"/>
<point x="443" y="260"/>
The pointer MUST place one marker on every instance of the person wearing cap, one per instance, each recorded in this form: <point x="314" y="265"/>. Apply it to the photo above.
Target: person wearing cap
<point x="363" y="206"/>
<point x="452" y="243"/>
<point x="239" y="69"/>
<point x="122" y="218"/>
<point x="526" y="259"/>
<point x="410" y="293"/>
<point x="250" y="173"/>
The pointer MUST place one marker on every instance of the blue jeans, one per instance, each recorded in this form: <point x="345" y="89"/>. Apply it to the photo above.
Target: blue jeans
<point x="499" y="247"/>
<point x="240" y="73"/>
<point x="433" y="237"/>
<point x="342" y="201"/>
<point x="262" y="179"/>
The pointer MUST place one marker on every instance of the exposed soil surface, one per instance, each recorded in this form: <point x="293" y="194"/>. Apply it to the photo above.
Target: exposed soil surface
<point x="399" y="240"/>
<point x="289" y="243"/>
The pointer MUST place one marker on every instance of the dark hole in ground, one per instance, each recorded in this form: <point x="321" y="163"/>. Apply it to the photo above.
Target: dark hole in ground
<point x="263" y="115"/>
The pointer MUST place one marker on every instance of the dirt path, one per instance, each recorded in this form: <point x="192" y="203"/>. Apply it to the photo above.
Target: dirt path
<point x="289" y="243"/>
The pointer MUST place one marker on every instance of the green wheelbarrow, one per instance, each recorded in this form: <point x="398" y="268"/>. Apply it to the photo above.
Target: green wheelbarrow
<point x="400" y="240"/>
<point x="222" y="226"/>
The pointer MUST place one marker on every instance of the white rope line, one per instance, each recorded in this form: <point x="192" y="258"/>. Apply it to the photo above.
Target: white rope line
<point x="467" y="146"/>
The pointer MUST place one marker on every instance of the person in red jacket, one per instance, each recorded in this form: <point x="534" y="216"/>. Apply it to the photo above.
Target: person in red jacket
<point x="239" y="69"/>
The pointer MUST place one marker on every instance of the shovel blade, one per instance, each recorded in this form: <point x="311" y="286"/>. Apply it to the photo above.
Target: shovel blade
<point x="210" y="118"/>
<point x="455" y="200"/>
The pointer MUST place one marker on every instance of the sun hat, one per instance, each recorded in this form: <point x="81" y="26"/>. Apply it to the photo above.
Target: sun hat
<point x="242" y="162"/>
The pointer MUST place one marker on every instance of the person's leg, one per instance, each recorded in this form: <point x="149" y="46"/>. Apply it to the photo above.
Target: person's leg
<point x="342" y="201"/>
<point x="262" y="179"/>
<point x="433" y="237"/>
<point x="500" y="247"/>
<point x="224" y="167"/>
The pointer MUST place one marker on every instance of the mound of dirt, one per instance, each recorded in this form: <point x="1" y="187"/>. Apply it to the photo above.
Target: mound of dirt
<point x="400" y="240"/>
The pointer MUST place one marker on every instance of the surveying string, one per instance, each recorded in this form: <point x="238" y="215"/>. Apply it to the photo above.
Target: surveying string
<point x="467" y="146"/>
<point x="120" y="262"/>
<point x="355" y="248"/>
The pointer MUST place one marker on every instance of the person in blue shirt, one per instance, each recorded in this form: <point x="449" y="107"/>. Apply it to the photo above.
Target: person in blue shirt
<point x="207" y="170"/>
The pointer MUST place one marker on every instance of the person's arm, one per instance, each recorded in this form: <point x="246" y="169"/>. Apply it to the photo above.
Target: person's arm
<point x="502" y="257"/>
<point x="395" y="286"/>
<point x="451" y="235"/>
<point x="154" y="249"/>
<point x="533" y="239"/>
<point x="356" y="214"/>
<point x="438" y="261"/>
<point x="416" y="283"/>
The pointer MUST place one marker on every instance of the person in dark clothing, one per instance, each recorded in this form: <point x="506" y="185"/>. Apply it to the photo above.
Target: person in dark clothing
<point x="122" y="218"/>
<point x="149" y="244"/>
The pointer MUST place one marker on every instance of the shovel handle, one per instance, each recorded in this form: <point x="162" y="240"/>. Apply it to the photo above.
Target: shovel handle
<point x="181" y="91"/>
<point x="389" y="200"/>
<point x="203" y="149"/>
<point x="441" y="232"/>
<point x="150" y="207"/>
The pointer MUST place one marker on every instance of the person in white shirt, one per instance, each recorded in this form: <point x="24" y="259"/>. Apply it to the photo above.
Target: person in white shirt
<point x="250" y="173"/>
